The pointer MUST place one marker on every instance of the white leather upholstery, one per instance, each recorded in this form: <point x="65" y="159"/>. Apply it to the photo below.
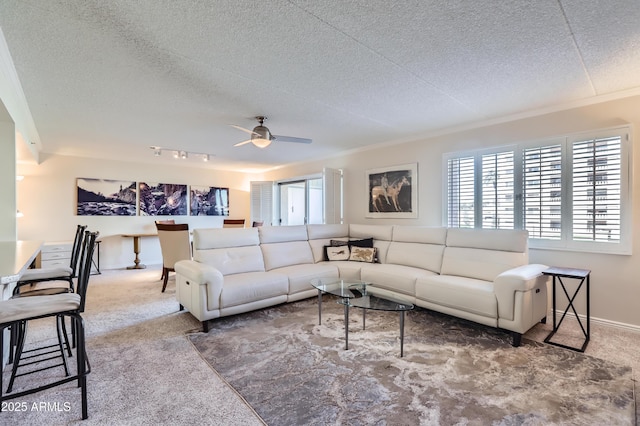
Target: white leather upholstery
<point x="488" y="239"/>
<point x="420" y="234"/>
<point x="204" y="239"/>
<point x="249" y="287"/>
<point x="321" y="236"/>
<point x="479" y="275"/>
<point x="378" y="232"/>
<point x="417" y="255"/>
<point x="317" y="232"/>
<point x="279" y="255"/>
<point x="479" y="263"/>
<point x="233" y="260"/>
<point x="459" y="293"/>
<point x="282" y="234"/>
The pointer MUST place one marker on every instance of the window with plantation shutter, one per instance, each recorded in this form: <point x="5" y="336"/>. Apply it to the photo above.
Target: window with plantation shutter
<point x="261" y="209"/>
<point x="461" y="192"/>
<point x="497" y="190"/>
<point x="597" y="189"/>
<point x="542" y="191"/>
<point x="569" y="193"/>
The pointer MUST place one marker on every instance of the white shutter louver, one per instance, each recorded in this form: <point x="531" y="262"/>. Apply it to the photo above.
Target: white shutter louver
<point x="461" y="192"/>
<point x="497" y="190"/>
<point x="542" y="169"/>
<point x="261" y="209"/>
<point x="597" y="189"/>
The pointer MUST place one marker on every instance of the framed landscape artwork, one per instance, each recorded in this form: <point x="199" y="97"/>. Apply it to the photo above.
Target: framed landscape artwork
<point x="209" y="201"/>
<point x="162" y="199"/>
<point x="392" y="191"/>
<point x="103" y="197"/>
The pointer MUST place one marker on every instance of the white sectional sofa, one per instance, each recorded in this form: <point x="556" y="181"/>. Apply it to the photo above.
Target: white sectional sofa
<point x="479" y="275"/>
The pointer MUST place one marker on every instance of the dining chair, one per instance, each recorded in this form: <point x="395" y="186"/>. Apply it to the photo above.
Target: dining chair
<point x="233" y="223"/>
<point x="164" y="222"/>
<point x="175" y="246"/>
<point x="32" y="277"/>
<point x="17" y="312"/>
<point x="257" y="223"/>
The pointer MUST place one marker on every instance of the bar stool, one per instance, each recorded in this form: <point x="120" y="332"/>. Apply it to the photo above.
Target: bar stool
<point x="16" y="313"/>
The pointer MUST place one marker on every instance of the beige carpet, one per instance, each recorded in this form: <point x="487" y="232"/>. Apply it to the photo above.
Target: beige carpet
<point x="145" y="370"/>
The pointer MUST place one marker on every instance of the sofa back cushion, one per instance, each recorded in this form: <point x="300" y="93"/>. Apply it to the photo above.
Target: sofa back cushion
<point x="381" y="235"/>
<point x="417" y="246"/>
<point x="213" y="238"/>
<point x="278" y="255"/>
<point x="230" y="250"/>
<point x="327" y="232"/>
<point x="483" y="253"/>
<point x="489" y="239"/>
<point x="285" y="246"/>
<point x="281" y="234"/>
<point x="378" y="232"/>
<point x="321" y="236"/>
<point x="420" y="234"/>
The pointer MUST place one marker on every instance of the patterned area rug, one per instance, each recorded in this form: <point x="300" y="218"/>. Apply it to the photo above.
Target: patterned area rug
<point x="293" y="371"/>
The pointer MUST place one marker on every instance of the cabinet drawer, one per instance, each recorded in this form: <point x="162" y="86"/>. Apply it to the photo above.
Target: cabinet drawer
<point x="54" y="263"/>
<point x="56" y="255"/>
<point x="57" y="247"/>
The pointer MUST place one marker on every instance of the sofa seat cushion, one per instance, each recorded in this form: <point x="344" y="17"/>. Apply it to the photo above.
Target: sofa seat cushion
<point x="399" y="278"/>
<point x="461" y="293"/>
<point x="300" y="276"/>
<point x="251" y="287"/>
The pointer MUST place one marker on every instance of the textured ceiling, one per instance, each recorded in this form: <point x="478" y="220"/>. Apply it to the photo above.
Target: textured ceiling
<point x="108" y="79"/>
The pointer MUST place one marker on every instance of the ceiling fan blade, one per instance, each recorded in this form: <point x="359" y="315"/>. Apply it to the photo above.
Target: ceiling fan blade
<point x="251" y="132"/>
<point x="280" y="138"/>
<point x="243" y="143"/>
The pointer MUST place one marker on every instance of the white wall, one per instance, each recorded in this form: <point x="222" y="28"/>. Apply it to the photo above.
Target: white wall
<point x="8" y="229"/>
<point x="615" y="280"/>
<point x="47" y="197"/>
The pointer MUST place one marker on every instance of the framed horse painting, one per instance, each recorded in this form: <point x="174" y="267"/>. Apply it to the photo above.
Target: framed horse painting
<point x="392" y="191"/>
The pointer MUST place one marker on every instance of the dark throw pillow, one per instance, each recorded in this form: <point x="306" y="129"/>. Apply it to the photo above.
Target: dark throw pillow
<point x="366" y="242"/>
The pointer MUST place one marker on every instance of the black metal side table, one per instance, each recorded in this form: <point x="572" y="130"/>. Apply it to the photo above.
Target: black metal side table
<point x="579" y="274"/>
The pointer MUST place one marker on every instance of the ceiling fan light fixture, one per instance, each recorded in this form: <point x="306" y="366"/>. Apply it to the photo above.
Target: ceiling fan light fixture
<point x="261" y="142"/>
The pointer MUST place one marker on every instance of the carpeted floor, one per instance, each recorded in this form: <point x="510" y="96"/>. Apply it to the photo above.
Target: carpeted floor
<point x="146" y="371"/>
<point x="293" y="371"/>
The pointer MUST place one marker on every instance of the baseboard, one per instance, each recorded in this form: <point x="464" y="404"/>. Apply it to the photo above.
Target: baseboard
<point x="600" y="321"/>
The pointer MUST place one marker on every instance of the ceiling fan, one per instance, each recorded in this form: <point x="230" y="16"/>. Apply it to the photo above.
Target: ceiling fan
<point x="262" y="137"/>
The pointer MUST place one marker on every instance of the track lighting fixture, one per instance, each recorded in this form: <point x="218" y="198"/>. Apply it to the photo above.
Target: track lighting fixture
<point x="180" y="153"/>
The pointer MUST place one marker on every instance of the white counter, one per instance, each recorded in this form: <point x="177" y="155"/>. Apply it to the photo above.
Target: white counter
<point x="15" y="258"/>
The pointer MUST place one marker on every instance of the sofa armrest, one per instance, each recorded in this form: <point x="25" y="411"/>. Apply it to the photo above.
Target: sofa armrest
<point x="202" y="275"/>
<point x="520" y="279"/>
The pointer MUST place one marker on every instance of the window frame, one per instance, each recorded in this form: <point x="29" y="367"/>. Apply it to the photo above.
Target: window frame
<point x="566" y="242"/>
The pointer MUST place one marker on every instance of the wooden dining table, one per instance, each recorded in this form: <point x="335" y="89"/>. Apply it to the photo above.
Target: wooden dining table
<point x="136" y="248"/>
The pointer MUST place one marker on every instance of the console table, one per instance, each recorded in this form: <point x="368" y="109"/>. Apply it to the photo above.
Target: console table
<point x="136" y="249"/>
<point x="558" y="273"/>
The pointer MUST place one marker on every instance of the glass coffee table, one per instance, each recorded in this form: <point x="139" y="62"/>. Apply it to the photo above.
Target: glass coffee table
<point x="338" y="287"/>
<point x="358" y="294"/>
<point x="376" y="300"/>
